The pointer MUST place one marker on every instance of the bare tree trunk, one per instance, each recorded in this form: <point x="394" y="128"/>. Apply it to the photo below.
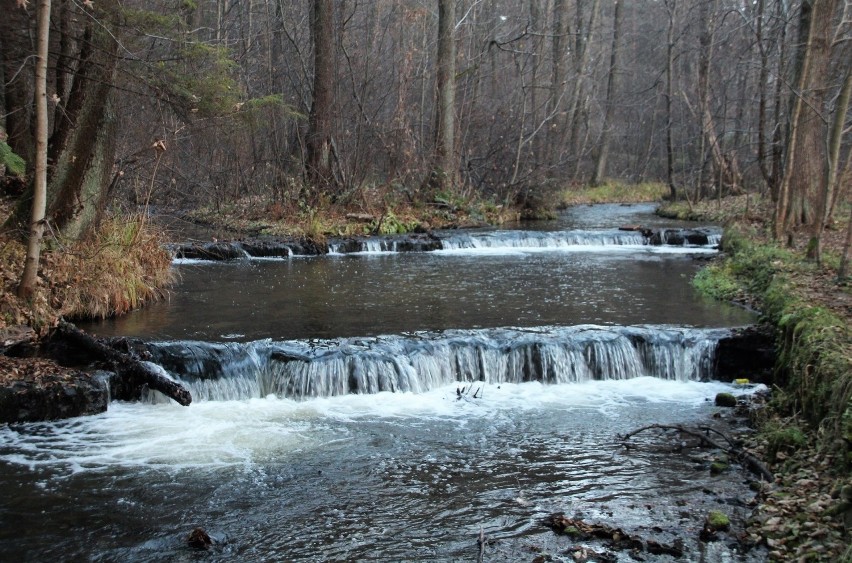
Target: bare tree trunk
<point x="611" y="86"/>
<point x="671" y="6"/>
<point x="28" y="278"/>
<point x="318" y="140"/>
<point x="804" y="170"/>
<point x="557" y="80"/>
<point x="443" y="173"/>
<point x="578" y="108"/>
<point x="727" y="170"/>
<point x="843" y="271"/>
<point x="830" y="179"/>
<point x="763" y="85"/>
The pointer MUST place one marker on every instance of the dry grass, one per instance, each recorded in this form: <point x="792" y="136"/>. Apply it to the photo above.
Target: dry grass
<point x="614" y="192"/>
<point x="379" y="210"/>
<point x="116" y="269"/>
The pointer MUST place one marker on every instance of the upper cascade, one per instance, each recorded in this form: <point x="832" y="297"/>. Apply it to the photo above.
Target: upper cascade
<point x="703" y="238"/>
<point x="418" y="362"/>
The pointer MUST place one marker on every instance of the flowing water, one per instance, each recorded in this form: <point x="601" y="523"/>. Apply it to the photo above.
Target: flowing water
<point x="387" y="406"/>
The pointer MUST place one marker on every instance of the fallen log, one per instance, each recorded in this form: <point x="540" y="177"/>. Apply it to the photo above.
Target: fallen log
<point x="133" y="373"/>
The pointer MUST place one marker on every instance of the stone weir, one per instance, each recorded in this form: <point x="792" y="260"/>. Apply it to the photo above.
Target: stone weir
<point x="274" y="247"/>
<point x="418" y="362"/>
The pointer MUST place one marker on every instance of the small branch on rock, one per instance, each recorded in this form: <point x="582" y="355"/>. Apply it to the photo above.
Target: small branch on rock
<point x="481" y="543"/>
<point x="751" y="463"/>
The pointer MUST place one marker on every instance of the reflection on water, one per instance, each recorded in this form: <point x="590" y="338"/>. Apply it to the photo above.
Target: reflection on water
<point x="328" y="297"/>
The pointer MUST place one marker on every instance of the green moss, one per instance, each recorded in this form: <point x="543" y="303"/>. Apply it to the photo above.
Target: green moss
<point x="717" y="281"/>
<point x="783" y="438"/>
<point x="679" y="210"/>
<point x="718" y="467"/>
<point x="614" y="191"/>
<point x="718" y="520"/>
<point x="725" y="400"/>
<point x="572" y="531"/>
<point x="13" y="163"/>
<point x="814" y="365"/>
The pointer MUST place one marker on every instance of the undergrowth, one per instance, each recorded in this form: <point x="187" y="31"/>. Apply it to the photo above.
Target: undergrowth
<point x="117" y="268"/>
<point x="814" y="366"/>
<point x="374" y="210"/>
<point x="614" y="191"/>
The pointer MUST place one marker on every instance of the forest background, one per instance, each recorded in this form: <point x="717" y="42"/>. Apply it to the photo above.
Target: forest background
<point x="296" y="108"/>
<point x="317" y="117"/>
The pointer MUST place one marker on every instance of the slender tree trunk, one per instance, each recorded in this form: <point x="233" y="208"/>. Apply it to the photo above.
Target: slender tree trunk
<point x="319" y="135"/>
<point x="670" y="44"/>
<point x="443" y="174"/>
<point x="829" y="184"/>
<point x="28" y="278"/>
<point x="843" y="271"/>
<point x="611" y="86"/>
<point x="578" y="108"/>
<point x="557" y="80"/>
<point x="727" y="170"/>
<point x="762" y="86"/>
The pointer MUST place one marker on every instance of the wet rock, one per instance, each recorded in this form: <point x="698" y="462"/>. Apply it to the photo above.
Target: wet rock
<point x="718" y="466"/>
<point x="656" y="548"/>
<point x="708" y="533"/>
<point x="210" y="251"/>
<point x="725" y="400"/>
<point x="348" y="246"/>
<point x="33" y="390"/>
<point x="676" y="237"/>
<point x="199" y="539"/>
<point x="747" y="353"/>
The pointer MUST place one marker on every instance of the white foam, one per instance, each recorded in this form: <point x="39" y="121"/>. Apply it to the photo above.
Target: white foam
<point x="214" y="435"/>
<point x="575" y="249"/>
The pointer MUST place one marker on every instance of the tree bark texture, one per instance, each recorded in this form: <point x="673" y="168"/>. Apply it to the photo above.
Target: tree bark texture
<point x="134" y="375"/>
<point x="804" y="175"/>
<point x="443" y="175"/>
<point x="319" y="138"/>
<point x="826" y="194"/>
<point x="611" y="87"/>
<point x="726" y="168"/>
<point x="670" y="44"/>
<point x="28" y="277"/>
<point x="81" y="147"/>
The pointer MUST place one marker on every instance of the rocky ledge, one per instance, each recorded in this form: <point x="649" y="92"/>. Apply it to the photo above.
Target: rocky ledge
<point x="281" y="247"/>
<point x="33" y="389"/>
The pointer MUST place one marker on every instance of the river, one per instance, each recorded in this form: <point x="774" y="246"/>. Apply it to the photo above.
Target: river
<point x="389" y="406"/>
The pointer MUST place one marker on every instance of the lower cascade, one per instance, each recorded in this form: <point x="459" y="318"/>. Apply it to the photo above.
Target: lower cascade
<point x="418" y="362"/>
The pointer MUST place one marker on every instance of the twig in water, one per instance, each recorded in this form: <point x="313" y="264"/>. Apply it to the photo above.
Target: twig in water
<point x="752" y="463"/>
<point x="481" y="542"/>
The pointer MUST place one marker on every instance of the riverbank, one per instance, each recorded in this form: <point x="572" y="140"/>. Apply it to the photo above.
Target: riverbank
<point x="806" y="433"/>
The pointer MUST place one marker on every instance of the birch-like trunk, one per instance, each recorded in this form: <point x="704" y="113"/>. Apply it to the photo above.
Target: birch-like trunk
<point x="28" y="278"/>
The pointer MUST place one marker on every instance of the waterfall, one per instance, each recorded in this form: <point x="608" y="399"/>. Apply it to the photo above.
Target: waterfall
<point x="703" y="238"/>
<point x="543" y="239"/>
<point x="418" y="362"/>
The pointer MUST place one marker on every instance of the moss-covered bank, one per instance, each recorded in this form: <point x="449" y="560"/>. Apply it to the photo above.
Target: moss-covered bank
<point x="814" y="369"/>
<point x="804" y="437"/>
